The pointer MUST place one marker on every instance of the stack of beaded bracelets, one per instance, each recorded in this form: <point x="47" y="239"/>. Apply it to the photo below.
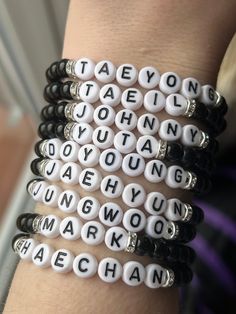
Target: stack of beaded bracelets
<point x="70" y="149"/>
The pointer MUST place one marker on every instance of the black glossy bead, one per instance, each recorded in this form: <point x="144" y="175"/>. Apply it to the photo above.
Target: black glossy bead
<point x="183" y="274"/>
<point x="52" y="92"/>
<point x="60" y="111"/>
<point x="182" y="253"/>
<point x="65" y="90"/>
<point x="34" y="166"/>
<point x="20" y="222"/>
<point x="59" y="130"/>
<point x="161" y="250"/>
<point x="223" y="107"/>
<point x="53" y="71"/>
<point x="46" y="130"/>
<point x="61" y="68"/>
<point x="197" y="216"/>
<point x="204" y="161"/>
<point x="37" y="148"/>
<point x="28" y="223"/>
<point x="200" y="112"/>
<point x="50" y="72"/>
<point x="189" y="157"/>
<point x="48" y="112"/>
<point x="186" y="233"/>
<point x="18" y="236"/>
<point x="174" y="152"/>
<point x="144" y="246"/>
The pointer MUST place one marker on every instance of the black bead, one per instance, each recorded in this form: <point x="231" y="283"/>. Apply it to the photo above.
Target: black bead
<point x="34" y="166"/>
<point x="20" y="222"/>
<point x="18" y="236"/>
<point x="61" y="68"/>
<point x="37" y="148"/>
<point x="53" y="71"/>
<point x="174" y="152"/>
<point x="223" y="107"/>
<point x="50" y="72"/>
<point x="189" y="157"/>
<point x="183" y="274"/>
<point x="200" y="112"/>
<point x="48" y="112"/>
<point x="46" y="130"/>
<point x="197" y="216"/>
<point x="59" y="130"/>
<point x="60" y="111"/>
<point x="28" y="223"/>
<point x="65" y="90"/>
<point x="203" y="185"/>
<point x="52" y="92"/>
<point x="145" y="246"/>
<point x="182" y="253"/>
<point x="186" y="233"/>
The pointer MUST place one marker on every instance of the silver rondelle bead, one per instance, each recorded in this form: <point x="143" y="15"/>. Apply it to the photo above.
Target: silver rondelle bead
<point x="170" y="278"/>
<point x="172" y="231"/>
<point x="36" y="225"/>
<point x="191" y="107"/>
<point x="131" y="242"/>
<point x="69" y="109"/>
<point x="68" y="130"/>
<point x="43" y="148"/>
<point x="70" y="68"/>
<point x="190" y="181"/>
<point x="41" y="166"/>
<point x="161" y="153"/>
<point x="74" y="90"/>
<point x="188" y="213"/>
<point x="218" y="99"/>
<point x="205" y="139"/>
<point x="31" y="186"/>
<point x="18" y="243"/>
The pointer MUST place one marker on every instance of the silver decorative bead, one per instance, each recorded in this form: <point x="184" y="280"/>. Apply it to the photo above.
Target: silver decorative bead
<point x="69" y="109"/>
<point x="205" y="139"/>
<point x="30" y="187"/>
<point x="190" y="181"/>
<point x="68" y="130"/>
<point x="41" y="166"/>
<point x="18" y="243"/>
<point x="131" y="242"/>
<point x="170" y="278"/>
<point x="70" y="66"/>
<point x="172" y="231"/>
<point x="161" y="153"/>
<point x="191" y="107"/>
<point x="218" y="99"/>
<point x="74" y="90"/>
<point x="36" y="225"/>
<point x="42" y="148"/>
<point x="188" y="213"/>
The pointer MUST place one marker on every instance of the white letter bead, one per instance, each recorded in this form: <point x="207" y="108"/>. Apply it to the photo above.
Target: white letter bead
<point x="85" y="265"/>
<point x="116" y="238"/>
<point x="170" y="83"/>
<point x="110" y="160"/>
<point x="88" y="208"/>
<point x="42" y="255"/>
<point x="70" y="228"/>
<point x="83" y="112"/>
<point x="51" y="195"/>
<point x="109" y="270"/>
<point x="134" y="220"/>
<point x="148" y="124"/>
<point x="103" y="137"/>
<point x="84" y="69"/>
<point x="104" y="115"/>
<point x="92" y="233"/>
<point x="207" y="95"/>
<point x="90" y="179"/>
<point x="154" y="101"/>
<point x="191" y="88"/>
<point x="133" y="165"/>
<point x="170" y="130"/>
<point x="155" y="203"/>
<point x="112" y="186"/>
<point x="148" y="77"/>
<point x="132" y="98"/>
<point x="155" y="276"/>
<point x="38" y="190"/>
<point x="27" y="248"/>
<point x="82" y="133"/>
<point x="134" y="195"/>
<point x="67" y="201"/>
<point x="156" y="226"/>
<point x="176" y="177"/>
<point x="62" y="261"/>
<point x="126" y="75"/>
<point x="126" y="120"/>
<point x="110" y="95"/>
<point x="52" y="170"/>
<point x="89" y="91"/>
<point x="191" y="135"/>
<point x="147" y="146"/>
<point x="50" y="226"/>
<point x="176" y="105"/>
<point x="105" y="71"/>
<point x="133" y="273"/>
<point x="53" y="148"/>
<point x="110" y="214"/>
<point x="155" y="171"/>
<point x="89" y="155"/>
<point x="125" y="142"/>
<point x="175" y="210"/>
<point x="70" y="172"/>
<point x="69" y="151"/>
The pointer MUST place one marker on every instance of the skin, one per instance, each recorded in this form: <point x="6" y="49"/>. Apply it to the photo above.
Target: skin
<point x="187" y="37"/>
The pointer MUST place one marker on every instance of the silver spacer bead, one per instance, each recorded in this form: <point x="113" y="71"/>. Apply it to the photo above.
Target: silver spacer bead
<point x="190" y="181"/>
<point x="191" y="107"/>
<point x="18" y="244"/>
<point x="188" y="213"/>
<point x="74" y="90"/>
<point x="205" y="139"/>
<point x="70" y="68"/>
<point x="42" y="166"/>
<point x="69" y="109"/>
<point x="218" y="99"/>
<point x="36" y="225"/>
<point x="170" y="278"/>
<point x="42" y="148"/>
<point x="31" y="186"/>
<point x="172" y="231"/>
<point x="131" y="242"/>
<point x="161" y="153"/>
<point x="68" y="130"/>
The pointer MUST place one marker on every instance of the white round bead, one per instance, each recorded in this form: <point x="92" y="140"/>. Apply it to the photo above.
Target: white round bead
<point x="27" y="248"/>
<point x="155" y="276"/>
<point x="92" y="233"/>
<point x="134" y="220"/>
<point x="69" y="151"/>
<point x="116" y="239"/>
<point x="175" y="210"/>
<point x="53" y="148"/>
<point x="112" y="186"/>
<point x="125" y="142"/>
<point x="132" y="98"/>
<point x="147" y="146"/>
<point x="133" y="273"/>
<point x="191" y="88"/>
<point x="170" y="130"/>
<point x="84" y="69"/>
<point x="155" y="171"/>
<point x="126" y="120"/>
<point x="68" y="200"/>
<point x="38" y="190"/>
<point x="103" y="137"/>
<point x="148" y="124"/>
<point x="70" y="172"/>
<point x="90" y="179"/>
<point x="105" y="71"/>
<point x="42" y="255"/>
<point x="155" y="203"/>
<point x="110" y="95"/>
<point x="51" y="195"/>
<point x="104" y="115"/>
<point x="176" y="105"/>
<point x="110" y="214"/>
<point x="148" y="77"/>
<point x="154" y="101"/>
<point x="126" y="75"/>
<point x="134" y="195"/>
<point x="133" y="165"/>
<point x="70" y="228"/>
<point x="62" y="261"/>
<point x="176" y="177"/>
<point x="191" y="135"/>
<point x="170" y="83"/>
<point x="110" y="160"/>
<point x="207" y="95"/>
<point x="156" y="226"/>
<point x="50" y="226"/>
<point x="88" y="207"/>
<point x="83" y="112"/>
<point x="85" y="265"/>
<point x="109" y="269"/>
<point x="52" y="170"/>
<point x="89" y="155"/>
<point x="89" y="91"/>
<point x="82" y="133"/>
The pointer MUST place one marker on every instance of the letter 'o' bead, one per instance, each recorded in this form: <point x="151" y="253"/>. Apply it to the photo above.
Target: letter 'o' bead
<point x="69" y="151"/>
<point x="109" y="269"/>
<point x="85" y="265"/>
<point x="170" y="83"/>
<point x="42" y="255"/>
<point x="105" y="71"/>
<point x="156" y="226"/>
<point x="134" y="220"/>
<point x="133" y="273"/>
<point x="104" y="115"/>
<point x="110" y="160"/>
<point x="70" y="228"/>
<point x="126" y="75"/>
<point x="62" y="261"/>
<point x="148" y="77"/>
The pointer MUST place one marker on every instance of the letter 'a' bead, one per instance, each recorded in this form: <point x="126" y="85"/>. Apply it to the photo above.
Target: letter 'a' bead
<point x="70" y="228"/>
<point x="70" y="172"/>
<point x="42" y="255"/>
<point x="133" y="273"/>
<point x="62" y="261"/>
<point x="105" y="71"/>
<point x="85" y="265"/>
<point x="126" y="75"/>
<point x="110" y="95"/>
<point x="147" y="146"/>
<point x="109" y="269"/>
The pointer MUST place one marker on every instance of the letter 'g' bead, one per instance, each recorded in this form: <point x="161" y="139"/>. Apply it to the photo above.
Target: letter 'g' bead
<point x="105" y="71"/>
<point x="42" y="255"/>
<point x="126" y="75"/>
<point x="133" y="273"/>
<point x="109" y="269"/>
<point x="85" y="265"/>
<point x="176" y="177"/>
<point x="148" y="77"/>
<point x="62" y="261"/>
<point x="88" y="207"/>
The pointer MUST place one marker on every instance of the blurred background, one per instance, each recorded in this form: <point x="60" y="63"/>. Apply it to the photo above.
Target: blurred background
<point x="31" y="37"/>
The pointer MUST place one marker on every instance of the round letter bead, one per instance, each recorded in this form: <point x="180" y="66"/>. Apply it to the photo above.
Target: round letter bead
<point x="133" y="273"/>
<point x="103" y="137"/>
<point x="156" y="226"/>
<point x="104" y="115"/>
<point x="38" y="190"/>
<point x="69" y="151"/>
<point x="67" y="201"/>
<point x="155" y="203"/>
<point x="170" y="130"/>
<point x="176" y="177"/>
<point x="84" y="69"/>
<point x="89" y="155"/>
<point x="133" y="165"/>
<point x="170" y="83"/>
<point x="110" y="160"/>
<point x="191" y="88"/>
<point x="92" y="233"/>
<point x="105" y="71"/>
<point x="155" y="276"/>
<point x="70" y="228"/>
<point x="62" y="261"/>
<point x="148" y="124"/>
<point x="134" y="195"/>
<point x="125" y="142"/>
<point x="191" y="135"/>
<point x="70" y="172"/>
<point x="50" y="226"/>
<point x="89" y="92"/>
<point x="147" y="146"/>
<point x="27" y="248"/>
<point x="51" y="195"/>
<point x="126" y="75"/>
<point x="207" y="95"/>
<point x="85" y="265"/>
<point x="116" y="239"/>
<point x="53" y="148"/>
<point x="112" y="186"/>
<point x="109" y="269"/>
<point x="90" y="179"/>
<point x="148" y="77"/>
<point x="83" y="112"/>
<point x="52" y="170"/>
<point x="175" y="210"/>
<point x="88" y="207"/>
<point x="110" y="214"/>
<point x="42" y="255"/>
<point x="126" y="120"/>
<point x="134" y="220"/>
<point x="155" y="171"/>
<point x="154" y="101"/>
<point x="110" y="95"/>
<point x="132" y="98"/>
<point x="82" y="133"/>
<point x="176" y="105"/>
